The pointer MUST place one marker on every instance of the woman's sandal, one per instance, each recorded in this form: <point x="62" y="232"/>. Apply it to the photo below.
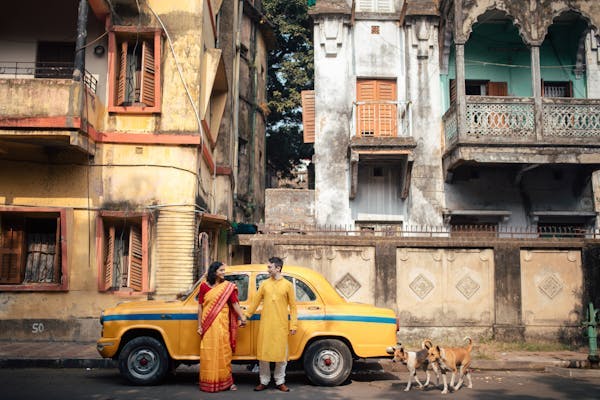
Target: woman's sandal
<point x="233" y="387"/>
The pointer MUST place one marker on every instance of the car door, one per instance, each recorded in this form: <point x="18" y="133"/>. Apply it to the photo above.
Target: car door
<point x="244" y="335"/>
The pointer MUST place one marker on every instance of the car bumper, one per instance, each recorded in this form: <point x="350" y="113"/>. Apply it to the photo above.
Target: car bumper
<point x="107" y="347"/>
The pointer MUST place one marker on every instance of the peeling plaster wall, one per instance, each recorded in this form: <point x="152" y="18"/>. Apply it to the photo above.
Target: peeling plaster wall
<point x="333" y="110"/>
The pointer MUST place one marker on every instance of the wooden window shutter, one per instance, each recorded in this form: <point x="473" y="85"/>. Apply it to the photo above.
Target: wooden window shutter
<point x="387" y="109"/>
<point x="452" y="91"/>
<point x="365" y="116"/>
<point x="12" y="252"/>
<point x="308" y="115"/>
<point x="57" y="252"/>
<point x="148" y="74"/>
<point x="109" y="266"/>
<point x="136" y="273"/>
<point x="122" y="77"/>
<point x="497" y="89"/>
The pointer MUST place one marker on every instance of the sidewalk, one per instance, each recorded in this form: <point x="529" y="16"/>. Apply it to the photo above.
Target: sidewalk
<point x="47" y="354"/>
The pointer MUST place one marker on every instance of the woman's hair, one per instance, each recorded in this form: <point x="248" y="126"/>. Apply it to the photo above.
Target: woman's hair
<point x="211" y="275"/>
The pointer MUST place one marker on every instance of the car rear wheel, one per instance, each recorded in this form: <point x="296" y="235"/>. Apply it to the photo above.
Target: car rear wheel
<point x="144" y="361"/>
<point x="328" y="362"/>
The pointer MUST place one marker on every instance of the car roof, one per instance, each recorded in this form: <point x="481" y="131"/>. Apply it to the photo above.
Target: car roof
<point x="317" y="280"/>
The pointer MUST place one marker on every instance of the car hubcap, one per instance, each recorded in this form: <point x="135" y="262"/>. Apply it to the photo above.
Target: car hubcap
<point x="328" y="362"/>
<point x="142" y="362"/>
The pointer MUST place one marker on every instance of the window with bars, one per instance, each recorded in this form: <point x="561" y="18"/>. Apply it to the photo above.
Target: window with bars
<point x="30" y="249"/>
<point x="376" y="107"/>
<point x="123" y="256"/>
<point x="134" y="72"/>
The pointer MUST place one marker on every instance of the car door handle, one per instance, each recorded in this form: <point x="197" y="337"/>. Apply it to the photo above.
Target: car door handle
<point x="166" y="316"/>
<point x="314" y="308"/>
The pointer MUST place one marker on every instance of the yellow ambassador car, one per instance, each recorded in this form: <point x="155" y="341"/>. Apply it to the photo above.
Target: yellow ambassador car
<point x="149" y="338"/>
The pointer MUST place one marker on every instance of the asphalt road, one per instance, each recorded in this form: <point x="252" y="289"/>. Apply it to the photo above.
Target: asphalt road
<point x="106" y="384"/>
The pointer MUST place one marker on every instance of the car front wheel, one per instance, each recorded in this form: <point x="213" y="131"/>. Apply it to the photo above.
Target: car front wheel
<point x="144" y="361"/>
<point x="328" y="362"/>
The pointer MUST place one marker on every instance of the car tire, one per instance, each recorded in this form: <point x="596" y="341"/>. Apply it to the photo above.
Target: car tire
<point x="144" y="361"/>
<point x="328" y="362"/>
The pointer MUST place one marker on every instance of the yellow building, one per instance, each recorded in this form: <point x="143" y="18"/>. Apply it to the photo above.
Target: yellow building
<point x="118" y="176"/>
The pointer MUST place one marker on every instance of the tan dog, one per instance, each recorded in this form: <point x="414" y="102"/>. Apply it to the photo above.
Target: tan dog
<point x="455" y="359"/>
<point x="415" y="360"/>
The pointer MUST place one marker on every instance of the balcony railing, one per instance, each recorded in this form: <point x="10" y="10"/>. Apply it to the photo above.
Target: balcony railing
<point x="382" y="118"/>
<point x="511" y="120"/>
<point x="53" y="70"/>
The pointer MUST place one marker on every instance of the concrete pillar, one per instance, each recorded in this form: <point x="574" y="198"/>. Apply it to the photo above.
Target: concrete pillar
<point x="536" y="84"/>
<point x="385" y="275"/>
<point x="461" y="100"/>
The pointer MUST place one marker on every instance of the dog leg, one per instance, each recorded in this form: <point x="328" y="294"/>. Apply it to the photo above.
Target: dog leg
<point x="445" y="390"/>
<point x="470" y="385"/>
<point x="410" y="376"/>
<point x="460" y="379"/>
<point x="426" y="380"/>
<point x="418" y="381"/>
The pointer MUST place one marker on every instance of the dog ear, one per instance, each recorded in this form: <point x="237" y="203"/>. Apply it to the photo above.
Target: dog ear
<point x="438" y="349"/>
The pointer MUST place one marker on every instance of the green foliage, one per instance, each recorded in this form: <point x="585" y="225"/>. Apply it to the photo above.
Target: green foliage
<point x="290" y="72"/>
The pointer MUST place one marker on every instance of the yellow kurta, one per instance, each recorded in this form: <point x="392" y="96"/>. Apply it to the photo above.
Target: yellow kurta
<point x="278" y="301"/>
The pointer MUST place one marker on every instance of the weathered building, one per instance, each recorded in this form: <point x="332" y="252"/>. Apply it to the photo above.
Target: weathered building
<point x="456" y="149"/>
<point x="119" y="172"/>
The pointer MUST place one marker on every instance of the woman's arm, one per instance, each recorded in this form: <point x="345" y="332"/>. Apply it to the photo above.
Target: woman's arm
<point x="239" y="312"/>
<point x="199" y="320"/>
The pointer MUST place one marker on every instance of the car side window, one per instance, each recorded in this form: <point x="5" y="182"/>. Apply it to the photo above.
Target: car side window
<point x="302" y="290"/>
<point x="241" y="281"/>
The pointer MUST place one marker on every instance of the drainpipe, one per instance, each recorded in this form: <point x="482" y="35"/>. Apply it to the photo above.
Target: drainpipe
<point x="254" y="83"/>
<point x="82" y="18"/>
<point x="238" y="13"/>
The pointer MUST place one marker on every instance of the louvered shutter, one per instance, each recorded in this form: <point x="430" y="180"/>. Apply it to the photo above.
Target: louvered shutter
<point x="135" y="270"/>
<point x="308" y="115"/>
<point x="148" y="74"/>
<point x="12" y="252"/>
<point x="109" y="267"/>
<point x="452" y="91"/>
<point x="122" y="78"/>
<point x="387" y="109"/>
<point x="56" y="257"/>
<point x="365" y="95"/>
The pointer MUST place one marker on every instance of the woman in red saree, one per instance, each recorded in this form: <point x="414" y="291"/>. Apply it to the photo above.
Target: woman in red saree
<point x="218" y="312"/>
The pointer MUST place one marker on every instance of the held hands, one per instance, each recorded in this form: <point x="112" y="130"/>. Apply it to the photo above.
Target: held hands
<point x="292" y="331"/>
<point x="243" y="322"/>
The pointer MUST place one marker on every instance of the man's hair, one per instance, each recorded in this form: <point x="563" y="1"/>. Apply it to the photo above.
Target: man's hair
<point x="211" y="275"/>
<point x="276" y="261"/>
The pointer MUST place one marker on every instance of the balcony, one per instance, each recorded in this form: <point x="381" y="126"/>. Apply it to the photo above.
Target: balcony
<point x="41" y="106"/>
<point x="511" y="130"/>
<point x="382" y="136"/>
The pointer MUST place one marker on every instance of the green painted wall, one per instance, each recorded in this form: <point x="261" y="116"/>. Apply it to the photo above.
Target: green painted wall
<point x="496" y="52"/>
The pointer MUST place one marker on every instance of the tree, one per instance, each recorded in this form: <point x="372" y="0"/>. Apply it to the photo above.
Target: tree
<point x="290" y="72"/>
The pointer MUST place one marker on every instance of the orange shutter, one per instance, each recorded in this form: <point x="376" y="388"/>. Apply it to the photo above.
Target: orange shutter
<point x="148" y="75"/>
<point x="109" y="260"/>
<point x="387" y="108"/>
<point x="377" y="110"/>
<point x="308" y="115"/>
<point x="497" y="89"/>
<point x="365" y="93"/>
<point x="122" y="79"/>
<point x="452" y="91"/>
<point x="12" y="252"/>
<point x="135" y="275"/>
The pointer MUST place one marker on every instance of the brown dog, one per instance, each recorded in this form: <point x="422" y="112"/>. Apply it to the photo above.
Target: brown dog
<point x="455" y="359"/>
<point x="415" y="360"/>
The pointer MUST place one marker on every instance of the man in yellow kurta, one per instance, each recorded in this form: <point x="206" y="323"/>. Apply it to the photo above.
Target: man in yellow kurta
<point x="279" y="301"/>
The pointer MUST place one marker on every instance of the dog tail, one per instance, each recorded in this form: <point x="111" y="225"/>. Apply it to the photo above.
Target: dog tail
<point x="426" y="344"/>
<point x="470" y="345"/>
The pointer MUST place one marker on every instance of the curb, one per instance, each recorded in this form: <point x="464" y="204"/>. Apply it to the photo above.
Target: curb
<point x="57" y="363"/>
<point x="574" y="372"/>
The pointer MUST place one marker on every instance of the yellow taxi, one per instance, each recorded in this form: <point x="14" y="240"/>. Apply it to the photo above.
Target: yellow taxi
<point x="149" y="338"/>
